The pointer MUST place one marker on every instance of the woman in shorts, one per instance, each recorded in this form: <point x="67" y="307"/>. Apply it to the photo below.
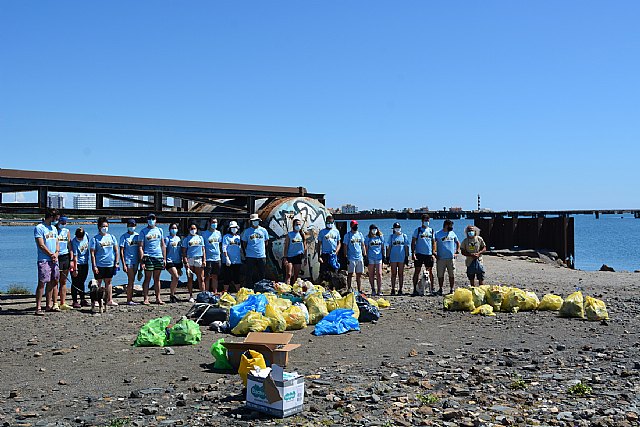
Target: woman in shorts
<point x="232" y="257"/>
<point x="173" y="243"/>
<point x="375" y="254"/>
<point x="104" y="258"/>
<point x="80" y="267"/>
<point x="193" y="256"/>
<point x="295" y="249"/>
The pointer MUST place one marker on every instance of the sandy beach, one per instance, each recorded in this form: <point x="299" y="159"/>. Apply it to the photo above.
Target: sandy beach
<point x="419" y="365"/>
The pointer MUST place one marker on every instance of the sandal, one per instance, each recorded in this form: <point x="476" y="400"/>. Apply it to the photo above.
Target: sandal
<point x="39" y="312"/>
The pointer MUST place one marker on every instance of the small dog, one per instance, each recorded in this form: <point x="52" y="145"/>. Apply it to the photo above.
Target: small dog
<point x="423" y="284"/>
<point x="97" y="294"/>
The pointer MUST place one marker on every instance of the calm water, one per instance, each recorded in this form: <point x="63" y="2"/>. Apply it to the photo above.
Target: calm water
<point x="610" y="240"/>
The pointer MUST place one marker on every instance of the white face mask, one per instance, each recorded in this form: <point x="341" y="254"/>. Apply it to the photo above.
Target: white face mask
<point x="425" y="223"/>
<point x="193" y="232"/>
<point x="104" y="230"/>
<point x="329" y="225"/>
<point x="297" y="227"/>
<point x="397" y="230"/>
<point x="234" y="230"/>
<point x="255" y="224"/>
<point x="373" y="231"/>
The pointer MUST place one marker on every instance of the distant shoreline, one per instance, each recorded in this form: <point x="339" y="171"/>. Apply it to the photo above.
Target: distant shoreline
<point x="13" y="223"/>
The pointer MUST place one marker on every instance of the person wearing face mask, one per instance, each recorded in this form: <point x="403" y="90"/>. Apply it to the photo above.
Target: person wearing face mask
<point x="328" y="245"/>
<point x="422" y="247"/>
<point x="129" y="253"/>
<point x="447" y="247"/>
<point x="375" y="254"/>
<point x="232" y="255"/>
<point x="46" y="237"/>
<point x="65" y="257"/>
<point x="173" y="243"/>
<point x="212" y="239"/>
<point x="254" y="242"/>
<point x="153" y="253"/>
<point x="398" y="250"/>
<point x="193" y="255"/>
<point x="295" y="248"/>
<point x="355" y="251"/>
<point x="80" y="267"/>
<point x="104" y="258"/>
<point x="473" y="247"/>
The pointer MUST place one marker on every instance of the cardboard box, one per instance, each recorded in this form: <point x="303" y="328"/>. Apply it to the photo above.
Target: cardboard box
<point x="278" y="398"/>
<point x="274" y="347"/>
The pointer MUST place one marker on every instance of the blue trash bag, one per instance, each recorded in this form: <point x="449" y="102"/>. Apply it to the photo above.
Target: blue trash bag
<point x="264" y="286"/>
<point x="337" y="322"/>
<point x="207" y="298"/>
<point x="333" y="261"/>
<point x="253" y="302"/>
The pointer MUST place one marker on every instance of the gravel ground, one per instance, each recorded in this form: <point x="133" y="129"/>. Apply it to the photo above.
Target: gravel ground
<point x="418" y="365"/>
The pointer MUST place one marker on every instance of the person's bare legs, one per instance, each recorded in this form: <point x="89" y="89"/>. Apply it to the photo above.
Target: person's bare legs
<point x="451" y="283"/>
<point x="131" y="277"/>
<point x="359" y="281"/>
<point x="108" y="291"/>
<point x="174" y="281"/>
<point x="394" y="273"/>
<point x="371" y="269"/>
<point x="62" y="292"/>
<point x="145" y="285"/>
<point x="288" y="273"/>
<point x="378" y="272"/>
<point x="200" y="275"/>
<point x="349" y="279"/>
<point x="400" y="276"/>
<point x="156" y="286"/>
<point x="39" y="292"/>
<point x="296" y="272"/>
<point x="416" y="276"/>
<point x="430" y="271"/>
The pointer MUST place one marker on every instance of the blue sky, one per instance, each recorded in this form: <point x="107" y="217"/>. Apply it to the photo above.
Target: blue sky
<point x="534" y="105"/>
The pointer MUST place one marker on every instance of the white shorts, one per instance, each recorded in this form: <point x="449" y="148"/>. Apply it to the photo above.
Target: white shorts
<point x="445" y="264"/>
<point x="195" y="262"/>
<point x="356" y="266"/>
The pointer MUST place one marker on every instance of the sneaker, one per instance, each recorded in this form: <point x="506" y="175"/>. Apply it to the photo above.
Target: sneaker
<point x="39" y="312"/>
<point x="173" y="299"/>
<point x="76" y="305"/>
<point x="414" y="294"/>
<point x="112" y="304"/>
<point x="96" y="304"/>
<point x="132" y="303"/>
<point x="85" y="303"/>
<point x="400" y="293"/>
<point x="55" y="307"/>
<point x="393" y="292"/>
<point x="65" y="307"/>
<point x="439" y="292"/>
<point x="192" y="300"/>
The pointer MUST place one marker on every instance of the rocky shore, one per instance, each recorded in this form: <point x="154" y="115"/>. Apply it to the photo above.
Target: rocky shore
<point x="418" y="365"/>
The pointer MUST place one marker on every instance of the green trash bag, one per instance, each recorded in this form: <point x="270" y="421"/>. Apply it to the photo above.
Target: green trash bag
<point x="219" y="352"/>
<point x="185" y="332"/>
<point x="153" y="333"/>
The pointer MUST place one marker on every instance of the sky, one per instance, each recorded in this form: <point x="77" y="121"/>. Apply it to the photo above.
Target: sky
<point x="383" y="104"/>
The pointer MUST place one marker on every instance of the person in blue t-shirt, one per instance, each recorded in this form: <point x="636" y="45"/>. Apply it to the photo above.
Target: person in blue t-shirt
<point x="232" y="256"/>
<point x="398" y="252"/>
<point x="173" y="245"/>
<point x="194" y="256"/>
<point x="422" y="247"/>
<point x="447" y="247"/>
<point x="79" y="267"/>
<point x="212" y="240"/>
<point x="254" y="242"/>
<point x="153" y="254"/>
<point x="130" y="255"/>
<point x="105" y="258"/>
<point x="295" y="249"/>
<point x="65" y="258"/>
<point x="328" y="246"/>
<point x="375" y="254"/>
<point x="46" y="237"/>
<point x="354" y="251"/>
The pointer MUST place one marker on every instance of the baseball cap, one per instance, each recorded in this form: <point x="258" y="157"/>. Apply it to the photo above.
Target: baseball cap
<point x="131" y="221"/>
<point x="354" y="222"/>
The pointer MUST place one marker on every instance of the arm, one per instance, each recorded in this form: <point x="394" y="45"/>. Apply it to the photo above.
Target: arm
<point x="286" y="249"/>
<point x="164" y="252"/>
<point x="413" y="248"/>
<point x="141" y="249"/>
<point x="457" y="246"/>
<point x="93" y="261"/>
<point x="124" y="265"/>
<point x="117" y="251"/>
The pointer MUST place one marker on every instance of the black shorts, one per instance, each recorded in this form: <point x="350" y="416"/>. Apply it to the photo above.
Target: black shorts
<point x="64" y="262"/>
<point x="295" y="260"/>
<point x="212" y="268"/>
<point x="177" y="265"/>
<point x="422" y="259"/>
<point x="232" y="274"/>
<point x="104" y="273"/>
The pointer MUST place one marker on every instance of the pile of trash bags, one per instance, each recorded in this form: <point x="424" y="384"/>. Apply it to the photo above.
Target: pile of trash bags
<point x="486" y="300"/>
<point x="157" y="333"/>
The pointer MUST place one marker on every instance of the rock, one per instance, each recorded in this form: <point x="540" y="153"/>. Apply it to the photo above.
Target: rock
<point x="452" y="414"/>
<point x="37" y="354"/>
<point x="13" y="394"/>
<point x="62" y="382"/>
<point x="605" y="267"/>
<point x="561" y="347"/>
<point x="150" y="410"/>
<point x="413" y="352"/>
<point x="168" y="351"/>
<point x="632" y="417"/>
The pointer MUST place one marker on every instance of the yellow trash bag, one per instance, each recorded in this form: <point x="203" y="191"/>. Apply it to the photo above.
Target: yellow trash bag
<point x="573" y="306"/>
<point x="227" y="300"/>
<point x="462" y="300"/>
<point x="447" y="302"/>
<point x="248" y="360"/>
<point x="383" y="303"/>
<point x="550" y="302"/>
<point x="595" y="309"/>
<point x="531" y="302"/>
<point x="349" y="302"/>
<point x="282" y="288"/>
<point x="373" y="302"/>
<point x="243" y="294"/>
<point x="278" y="324"/>
<point x="495" y="295"/>
<point x="518" y="300"/>
<point x="281" y="303"/>
<point x="317" y="308"/>
<point x="485" y="310"/>
<point x="251" y="322"/>
<point x="479" y="296"/>
<point x="294" y="317"/>
<point x="320" y="289"/>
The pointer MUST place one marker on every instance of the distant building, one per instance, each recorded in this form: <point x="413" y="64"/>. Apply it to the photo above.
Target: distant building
<point x="55" y="201"/>
<point x="84" y="201"/>
<point x="113" y="203"/>
<point x="407" y="210"/>
<point x="455" y="209"/>
<point x="349" y="209"/>
<point x="422" y="209"/>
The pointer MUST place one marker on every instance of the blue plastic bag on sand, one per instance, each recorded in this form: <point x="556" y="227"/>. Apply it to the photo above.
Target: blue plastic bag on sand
<point x="337" y="322"/>
<point x="333" y="261"/>
<point x="253" y="302"/>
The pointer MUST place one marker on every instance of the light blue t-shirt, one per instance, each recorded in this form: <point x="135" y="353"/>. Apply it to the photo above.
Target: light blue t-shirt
<point x="354" y="242"/>
<point x="49" y="235"/>
<point x="398" y="244"/>
<point x="174" y="249"/>
<point x="80" y="249"/>
<point x="446" y="244"/>
<point x="256" y="240"/>
<point x="105" y="248"/>
<point x="375" y="247"/>
<point x="231" y="245"/>
<point x="130" y="244"/>
<point x="329" y="239"/>
<point x="64" y="237"/>
<point x="150" y="239"/>
<point x="212" y="240"/>
<point x="424" y="240"/>
<point x="194" y="246"/>
<point x="296" y="245"/>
